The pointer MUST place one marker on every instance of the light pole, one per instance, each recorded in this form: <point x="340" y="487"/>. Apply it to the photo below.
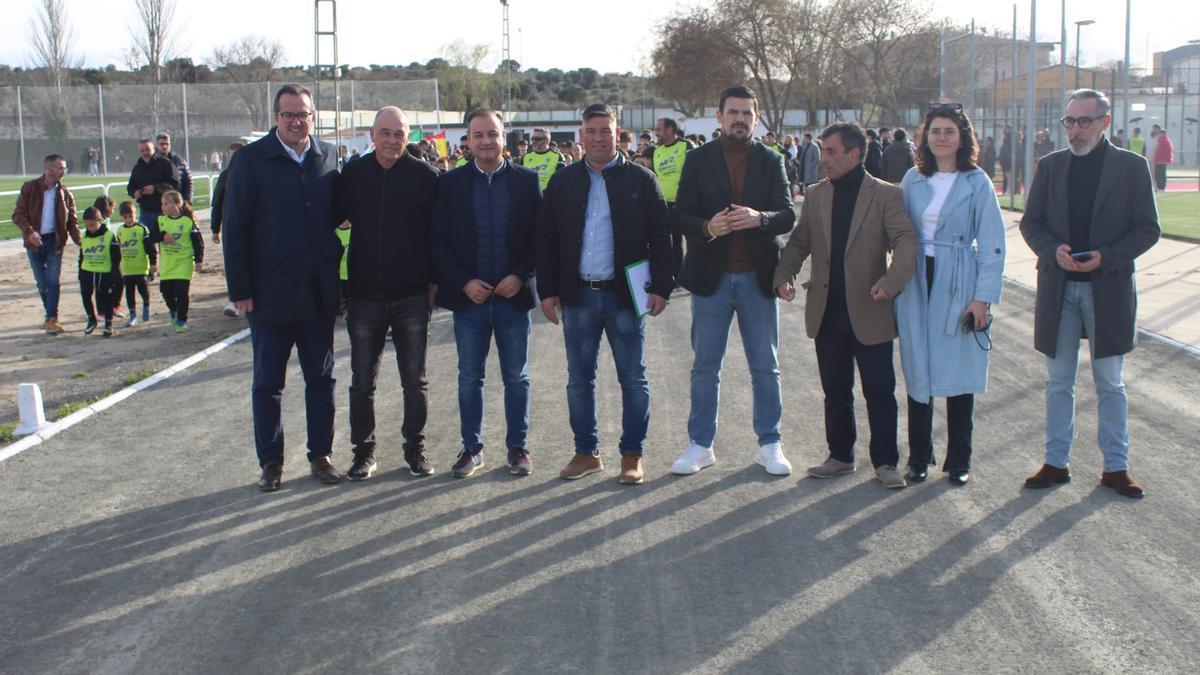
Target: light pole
<point x="1078" y="25"/>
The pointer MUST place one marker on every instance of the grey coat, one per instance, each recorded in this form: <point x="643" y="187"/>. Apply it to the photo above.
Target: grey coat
<point x="1124" y="226"/>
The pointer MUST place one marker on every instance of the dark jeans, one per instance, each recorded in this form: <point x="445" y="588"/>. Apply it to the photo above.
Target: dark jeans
<point x="837" y="352"/>
<point x="594" y="314"/>
<point x="175" y="296"/>
<point x="1160" y="176"/>
<point x="46" y="263"/>
<point x="959" y="412"/>
<point x="367" y="322"/>
<point x="272" y="345"/>
<point x="473" y="330"/>
<point x="101" y="285"/>
<point x="138" y="284"/>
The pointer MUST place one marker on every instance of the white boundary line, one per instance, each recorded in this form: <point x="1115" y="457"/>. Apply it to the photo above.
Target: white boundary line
<point x="1194" y="351"/>
<point x="107" y="402"/>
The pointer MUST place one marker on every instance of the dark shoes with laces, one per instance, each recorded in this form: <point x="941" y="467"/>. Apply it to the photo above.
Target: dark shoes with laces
<point x="362" y="467"/>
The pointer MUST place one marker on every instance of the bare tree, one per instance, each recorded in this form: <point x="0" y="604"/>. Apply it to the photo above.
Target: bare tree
<point x="684" y="66"/>
<point x="248" y="62"/>
<point x="51" y="35"/>
<point x="760" y="34"/>
<point x="155" y="39"/>
<point x="886" y="43"/>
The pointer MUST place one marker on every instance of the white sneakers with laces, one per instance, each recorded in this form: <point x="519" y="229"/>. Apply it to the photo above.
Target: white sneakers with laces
<point x="694" y="458"/>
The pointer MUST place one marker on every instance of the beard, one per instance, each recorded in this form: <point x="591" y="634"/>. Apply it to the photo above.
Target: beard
<point x="1084" y="150"/>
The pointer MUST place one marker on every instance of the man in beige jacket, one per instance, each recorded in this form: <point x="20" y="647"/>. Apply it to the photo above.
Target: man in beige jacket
<point x="849" y="223"/>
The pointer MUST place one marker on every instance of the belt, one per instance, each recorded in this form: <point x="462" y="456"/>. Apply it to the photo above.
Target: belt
<point x="599" y="285"/>
<point x="962" y="268"/>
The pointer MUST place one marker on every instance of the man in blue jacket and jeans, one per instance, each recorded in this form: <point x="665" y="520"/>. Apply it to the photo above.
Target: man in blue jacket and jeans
<point x="483" y="253"/>
<point x="281" y="266"/>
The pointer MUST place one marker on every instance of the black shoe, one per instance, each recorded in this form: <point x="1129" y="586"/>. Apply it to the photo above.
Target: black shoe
<point x="272" y="476"/>
<point x="417" y="464"/>
<point x="917" y="474"/>
<point x="362" y="467"/>
<point x="107" y="332"/>
<point x="90" y="327"/>
<point x="324" y="471"/>
<point x="959" y="477"/>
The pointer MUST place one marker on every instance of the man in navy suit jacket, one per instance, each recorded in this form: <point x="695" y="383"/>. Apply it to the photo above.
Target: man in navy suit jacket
<point x="483" y="257"/>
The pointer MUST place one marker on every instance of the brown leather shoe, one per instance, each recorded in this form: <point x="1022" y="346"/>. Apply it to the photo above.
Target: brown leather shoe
<point x="272" y="477"/>
<point x="324" y="471"/>
<point x="631" y="470"/>
<point x="52" y="327"/>
<point x="1048" y="476"/>
<point x="1123" y="482"/>
<point x="580" y="466"/>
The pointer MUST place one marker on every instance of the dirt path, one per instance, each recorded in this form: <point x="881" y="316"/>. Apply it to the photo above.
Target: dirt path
<point x="74" y="367"/>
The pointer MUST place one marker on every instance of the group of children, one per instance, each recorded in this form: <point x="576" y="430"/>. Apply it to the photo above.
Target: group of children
<point x="130" y="257"/>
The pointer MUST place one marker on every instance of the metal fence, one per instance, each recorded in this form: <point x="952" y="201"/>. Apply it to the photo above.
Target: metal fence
<point x="97" y="127"/>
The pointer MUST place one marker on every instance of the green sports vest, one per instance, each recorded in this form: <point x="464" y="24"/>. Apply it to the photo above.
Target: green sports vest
<point x="668" y="164"/>
<point x="1138" y="145"/>
<point x="344" y="237"/>
<point x="544" y="163"/>
<point x="96" y="256"/>
<point x="777" y="148"/>
<point x="134" y="261"/>
<point x="176" y="260"/>
<point x="462" y="161"/>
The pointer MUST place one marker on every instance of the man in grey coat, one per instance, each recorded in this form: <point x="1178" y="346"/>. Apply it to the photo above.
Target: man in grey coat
<point x="809" y="159"/>
<point x="1090" y="212"/>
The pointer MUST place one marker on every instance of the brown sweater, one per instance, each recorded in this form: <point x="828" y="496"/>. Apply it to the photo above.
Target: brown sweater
<point x="736" y="153"/>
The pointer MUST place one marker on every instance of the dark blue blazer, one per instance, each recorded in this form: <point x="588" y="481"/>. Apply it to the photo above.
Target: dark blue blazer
<point x="453" y="235"/>
<point x="278" y="231"/>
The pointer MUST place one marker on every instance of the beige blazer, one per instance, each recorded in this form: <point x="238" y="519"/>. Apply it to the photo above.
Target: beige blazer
<point x="880" y="225"/>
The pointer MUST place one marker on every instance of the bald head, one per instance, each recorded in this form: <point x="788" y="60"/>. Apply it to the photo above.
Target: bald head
<point x="389" y="133"/>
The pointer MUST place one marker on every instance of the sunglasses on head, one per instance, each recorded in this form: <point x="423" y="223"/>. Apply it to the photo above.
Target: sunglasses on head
<point x="953" y="107"/>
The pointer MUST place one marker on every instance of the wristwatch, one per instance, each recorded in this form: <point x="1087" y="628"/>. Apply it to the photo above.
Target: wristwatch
<point x="762" y="220"/>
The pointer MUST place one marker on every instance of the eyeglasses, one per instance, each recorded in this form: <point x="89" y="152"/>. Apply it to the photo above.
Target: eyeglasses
<point x="1081" y="122"/>
<point x="290" y="117"/>
<point x="538" y="138"/>
<point x="955" y="107"/>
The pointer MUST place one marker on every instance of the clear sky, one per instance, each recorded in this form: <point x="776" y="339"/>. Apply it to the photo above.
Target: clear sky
<point x="611" y="35"/>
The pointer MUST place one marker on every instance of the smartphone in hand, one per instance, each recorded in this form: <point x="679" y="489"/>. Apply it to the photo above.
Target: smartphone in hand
<point x="1081" y="256"/>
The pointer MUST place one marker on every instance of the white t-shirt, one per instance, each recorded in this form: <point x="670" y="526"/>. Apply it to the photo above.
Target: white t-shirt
<point x="941" y="184"/>
<point x="49" y="210"/>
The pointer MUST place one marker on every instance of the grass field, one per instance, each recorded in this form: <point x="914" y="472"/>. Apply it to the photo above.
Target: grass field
<point x="1178" y="212"/>
<point x="84" y="198"/>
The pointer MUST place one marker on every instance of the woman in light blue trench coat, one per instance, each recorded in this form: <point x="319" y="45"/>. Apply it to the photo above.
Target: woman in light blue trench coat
<point x="943" y="315"/>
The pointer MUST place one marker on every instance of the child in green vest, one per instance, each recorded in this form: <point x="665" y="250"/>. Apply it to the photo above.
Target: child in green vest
<point x="138" y="258"/>
<point x="343" y="235"/>
<point x="181" y="251"/>
<point x="105" y="205"/>
<point x="99" y="270"/>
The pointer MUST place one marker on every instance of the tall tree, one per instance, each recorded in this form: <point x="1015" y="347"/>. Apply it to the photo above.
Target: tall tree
<point x="155" y="40"/>
<point x="685" y="68"/>
<point x="51" y="36"/>
<point x="247" y="63"/>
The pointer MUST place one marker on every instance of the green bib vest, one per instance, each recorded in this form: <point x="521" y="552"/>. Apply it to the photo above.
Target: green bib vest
<point x="544" y="163"/>
<point x="96" y="256"/>
<point x="668" y="164"/>
<point x="1138" y="145"/>
<point x="344" y="237"/>
<point x="462" y="161"/>
<point x="176" y="260"/>
<point x="777" y="148"/>
<point x="134" y="261"/>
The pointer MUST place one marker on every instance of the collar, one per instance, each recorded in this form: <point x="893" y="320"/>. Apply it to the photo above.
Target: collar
<point x="56" y="185"/>
<point x="1097" y="153"/>
<point x="485" y="174"/>
<point x="851" y="177"/>
<point x="619" y="159"/>
<point x="731" y="144"/>
<point x="285" y="149"/>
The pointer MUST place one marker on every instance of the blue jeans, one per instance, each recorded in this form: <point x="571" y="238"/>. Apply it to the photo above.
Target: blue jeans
<point x="47" y="267"/>
<point x="758" y="322"/>
<point x="1078" y="317"/>
<point x="597" y="312"/>
<point x="473" y="330"/>
<point x="272" y="344"/>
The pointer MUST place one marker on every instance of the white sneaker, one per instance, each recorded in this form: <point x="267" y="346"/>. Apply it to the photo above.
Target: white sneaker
<point x="770" y="456"/>
<point x="693" y="459"/>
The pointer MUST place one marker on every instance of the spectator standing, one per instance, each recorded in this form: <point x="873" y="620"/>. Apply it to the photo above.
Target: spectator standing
<point x="809" y="159"/>
<point x="217" y="214"/>
<point x="897" y="159"/>
<point x="152" y="175"/>
<point x="45" y="214"/>
<point x="1164" y="156"/>
<point x="874" y="160"/>
<point x="281" y="266"/>
<point x="162" y="144"/>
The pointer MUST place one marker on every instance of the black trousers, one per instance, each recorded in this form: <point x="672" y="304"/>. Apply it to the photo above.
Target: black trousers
<point x="175" y="296"/>
<point x="676" y="245"/>
<point x="103" y="287"/>
<point x="367" y="322"/>
<point x="960" y="412"/>
<point x="1160" y="176"/>
<point x="838" y="351"/>
<point x="138" y="284"/>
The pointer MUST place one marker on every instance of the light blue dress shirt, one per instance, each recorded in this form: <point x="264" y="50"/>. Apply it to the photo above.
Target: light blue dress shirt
<point x="596" y="256"/>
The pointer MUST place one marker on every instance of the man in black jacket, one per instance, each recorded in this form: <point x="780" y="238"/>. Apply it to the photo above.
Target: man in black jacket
<point x="281" y="266"/>
<point x="151" y="176"/>
<point x="734" y="203"/>
<point x="483" y="257"/>
<point x="874" y="160"/>
<point x="599" y="217"/>
<point x="218" y="212"/>
<point x="388" y="198"/>
<point x="162" y="145"/>
<point x="897" y="158"/>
